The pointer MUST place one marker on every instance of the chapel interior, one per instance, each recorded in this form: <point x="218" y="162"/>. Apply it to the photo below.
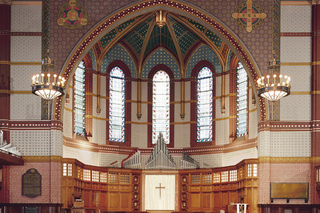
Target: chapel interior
<point x="160" y="106"/>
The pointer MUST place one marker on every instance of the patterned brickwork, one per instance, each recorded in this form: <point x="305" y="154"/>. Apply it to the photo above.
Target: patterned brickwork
<point x="203" y="53"/>
<point x="49" y="173"/>
<point x="161" y="56"/>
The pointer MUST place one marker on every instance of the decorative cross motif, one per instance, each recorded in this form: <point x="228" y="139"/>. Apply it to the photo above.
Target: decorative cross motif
<point x="249" y="15"/>
<point x="159" y="187"/>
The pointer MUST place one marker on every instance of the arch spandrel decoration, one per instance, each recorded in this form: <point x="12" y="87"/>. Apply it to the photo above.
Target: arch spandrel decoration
<point x="171" y="5"/>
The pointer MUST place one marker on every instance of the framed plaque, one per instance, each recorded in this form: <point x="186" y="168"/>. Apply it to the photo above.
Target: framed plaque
<point x="31" y="183"/>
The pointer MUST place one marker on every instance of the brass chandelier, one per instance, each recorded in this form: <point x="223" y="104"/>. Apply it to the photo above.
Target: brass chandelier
<point x="274" y="87"/>
<point x="46" y="85"/>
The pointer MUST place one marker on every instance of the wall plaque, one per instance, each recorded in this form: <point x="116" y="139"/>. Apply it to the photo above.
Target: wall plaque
<point x="31" y="209"/>
<point x="31" y="183"/>
<point x="289" y="191"/>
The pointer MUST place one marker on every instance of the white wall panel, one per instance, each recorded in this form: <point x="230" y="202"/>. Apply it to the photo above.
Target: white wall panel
<point x="290" y="110"/>
<point x="295" y="18"/>
<point x="139" y="135"/>
<point x="300" y="77"/>
<point x="295" y="49"/>
<point x="26" y="18"/>
<point x="21" y="76"/>
<point x="182" y="136"/>
<point x="25" y="49"/>
<point x="25" y="107"/>
<point x="232" y="158"/>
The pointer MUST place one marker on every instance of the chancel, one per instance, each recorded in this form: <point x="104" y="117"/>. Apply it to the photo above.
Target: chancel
<point x="159" y="106"/>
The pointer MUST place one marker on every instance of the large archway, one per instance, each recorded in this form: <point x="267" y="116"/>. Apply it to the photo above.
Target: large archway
<point x="182" y="8"/>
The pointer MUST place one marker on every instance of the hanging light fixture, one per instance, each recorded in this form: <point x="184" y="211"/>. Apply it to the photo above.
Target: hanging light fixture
<point x="161" y="18"/>
<point x="46" y="85"/>
<point x="274" y="87"/>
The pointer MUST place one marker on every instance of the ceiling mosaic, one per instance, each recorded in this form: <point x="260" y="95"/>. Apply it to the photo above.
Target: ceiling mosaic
<point x="142" y="44"/>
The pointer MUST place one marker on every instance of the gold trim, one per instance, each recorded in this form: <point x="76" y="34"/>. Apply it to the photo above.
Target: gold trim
<point x="3" y="91"/>
<point x="26" y="2"/>
<point x="70" y="110"/>
<point x="290" y="160"/>
<point x="295" y="63"/>
<point x="295" y="3"/>
<point x="95" y="117"/>
<point x="20" y="63"/>
<point x="301" y="93"/>
<point x="316" y="63"/>
<point x="253" y="110"/>
<point x="30" y="159"/>
<point x="226" y="118"/>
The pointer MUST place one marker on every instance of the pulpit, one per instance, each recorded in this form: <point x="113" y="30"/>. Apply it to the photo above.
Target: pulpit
<point x="237" y="208"/>
<point x="78" y="206"/>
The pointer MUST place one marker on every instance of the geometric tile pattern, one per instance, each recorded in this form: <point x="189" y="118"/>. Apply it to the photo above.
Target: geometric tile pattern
<point x="300" y="112"/>
<point x="290" y="144"/>
<point x="161" y="56"/>
<point x="34" y="143"/>
<point x="25" y="48"/>
<point x="25" y="107"/>
<point x="20" y="76"/>
<point x="295" y="49"/>
<point x="26" y="18"/>
<point x="296" y="19"/>
<point x="118" y="53"/>
<point x="203" y="53"/>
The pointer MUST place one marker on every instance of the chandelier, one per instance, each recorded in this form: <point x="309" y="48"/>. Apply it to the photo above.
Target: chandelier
<point x="46" y="85"/>
<point x="274" y="87"/>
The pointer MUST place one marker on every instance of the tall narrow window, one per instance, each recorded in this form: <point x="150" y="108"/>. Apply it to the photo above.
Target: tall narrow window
<point x="242" y="96"/>
<point x="116" y="105"/>
<point x="204" y="105"/>
<point x="79" y="99"/>
<point x="161" y="106"/>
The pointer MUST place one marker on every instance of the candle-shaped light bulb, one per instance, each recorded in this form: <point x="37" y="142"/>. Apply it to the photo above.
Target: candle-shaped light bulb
<point x="54" y="79"/>
<point x="274" y="79"/>
<point x="42" y="78"/>
<point x="48" y="75"/>
<point x="289" y="80"/>
<point x="33" y="80"/>
<point x="268" y="80"/>
<point x="262" y="80"/>
<point x="37" y="79"/>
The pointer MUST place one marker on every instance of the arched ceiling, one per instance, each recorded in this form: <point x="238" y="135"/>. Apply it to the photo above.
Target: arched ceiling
<point x="180" y="36"/>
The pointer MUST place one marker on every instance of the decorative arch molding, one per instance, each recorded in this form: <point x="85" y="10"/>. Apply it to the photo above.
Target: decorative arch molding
<point x="144" y="7"/>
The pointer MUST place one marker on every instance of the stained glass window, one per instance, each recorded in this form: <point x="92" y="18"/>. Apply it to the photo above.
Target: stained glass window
<point x="116" y="105"/>
<point x="161" y="106"/>
<point x="242" y="96"/>
<point x="204" y="105"/>
<point x="79" y="99"/>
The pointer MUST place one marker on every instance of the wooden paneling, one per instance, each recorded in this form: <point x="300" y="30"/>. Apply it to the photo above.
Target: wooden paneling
<point x="111" y="190"/>
<point x="211" y="190"/>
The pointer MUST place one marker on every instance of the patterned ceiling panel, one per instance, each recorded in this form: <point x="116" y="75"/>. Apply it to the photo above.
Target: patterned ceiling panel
<point x="118" y="53"/>
<point x="213" y="37"/>
<point x="155" y="39"/>
<point x="161" y="56"/>
<point x="196" y="24"/>
<point x="203" y="53"/>
<point x="113" y="33"/>
<point x="136" y="37"/>
<point x="93" y="59"/>
<point x="185" y="38"/>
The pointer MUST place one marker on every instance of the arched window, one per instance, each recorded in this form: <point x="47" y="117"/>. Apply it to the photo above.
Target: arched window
<point x="161" y="106"/>
<point x="242" y="97"/>
<point x="79" y="100"/>
<point x="204" y="105"/>
<point x="117" y="105"/>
